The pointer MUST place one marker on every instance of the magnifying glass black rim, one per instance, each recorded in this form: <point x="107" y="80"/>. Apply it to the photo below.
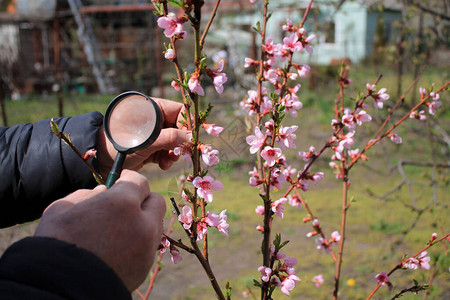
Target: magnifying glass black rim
<point x="150" y="140"/>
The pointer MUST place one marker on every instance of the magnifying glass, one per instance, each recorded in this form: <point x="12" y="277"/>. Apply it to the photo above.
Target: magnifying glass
<point x="132" y="122"/>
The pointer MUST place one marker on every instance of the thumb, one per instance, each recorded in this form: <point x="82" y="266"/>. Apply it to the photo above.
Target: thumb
<point x="169" y="138"/>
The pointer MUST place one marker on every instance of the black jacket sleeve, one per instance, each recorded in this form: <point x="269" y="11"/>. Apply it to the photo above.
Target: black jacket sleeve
<point x="42" y="268"/>
<point x="36" y="167"/>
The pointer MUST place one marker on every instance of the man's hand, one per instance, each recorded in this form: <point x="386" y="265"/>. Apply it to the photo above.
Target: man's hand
<point x="171" y="136"/>
<point x="122" y="225"/>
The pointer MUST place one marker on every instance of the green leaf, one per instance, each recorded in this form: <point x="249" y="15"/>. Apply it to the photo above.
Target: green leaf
<point x="264" y="197"/>
<point x="98" y="179"/>
<point x="229" y="289"/>
<point x="54" y="127"/>
<point x="205" y="114"/>
<point x="283" y="244"/>
<point x="277" y="241"/>
<point x="67" y="136"/>
<point x="256" y="283"/>
<point x="176" y="3"/>
<point x="203" y="173"/>
<point x="188" y="193"/>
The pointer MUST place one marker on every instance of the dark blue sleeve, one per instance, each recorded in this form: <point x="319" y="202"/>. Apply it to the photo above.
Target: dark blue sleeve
<point x="41" y="268"/>
<point x="37" y="168"/>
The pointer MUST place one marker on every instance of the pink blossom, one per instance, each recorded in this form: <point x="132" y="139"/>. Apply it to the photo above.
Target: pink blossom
<point x="303" y="70"/>
<point x="255" y="141"/>
<point x="288" y="284"/>
<point x="424" y="260"/>
<point x="291" y="104"/>
<point x="292" y="43"/>
<point x="317" y="177"/>
<point x="270" y="155"/>
<point x="270" y="127"/>
<point x="259" y="210"/>
<point x="202" y="230"/>
<point x="175" y="255"/>
<point x="175" y="85"/>
<point x="380" y="97"/>
<point x="354" y="153"/>
<point x="335" y="237"/>
<point x="423" y="92"/>
<point x="170" y="25"/>
<point x="269" y="47"/>
<point x="306" y="43"/>
<point x="412" y="263"/>
<point x="290" y="261"/>
<point x="250" y="103"/>
<point x="322" y="244"/>
<point x="311" y="234"/>
<point x="383" y="279"/>
<point x="395" y="138"/>
<point x="194" y="85"/>
<point x="89" y="154"/>
<point x="211" y="219"/>
<point x="432" y="106"/>
<point x="433" y="237"/>
<point x="348" y="120"/>
<point x="223" y="225"/>
<point x="370" y="87"/>
<point x="260" y="228"/>
<point x="289" y="27"/>
<point x="294" y="201"/>
<point x="186" y="217"/>
<point x="315" y="222"/>
<point x="165" y="244"/>
<point x="266" y="106"/>
<point x="362" y="117"/>
<point x="218" y="77"/>
<point x="277" y="179"/>
<point x="278" y="208"/>
<point x="271" y="75"/>
<point x="250" y="62"/>
<point x="170" y="54"/>
<point x="306" y="156"/>
<point x="209" y="155"/>
<point x="205" y="186"/>
<point x="286" y="136"/>
<point x="434" y="96"/>
<point x="418" y="115"/>
<point x="265" y="273"/>
<point x="185" y="150"/>
<point x="318" y="280"/>
<point x="212" y="129"/>
<point x="289" y="172"/>
<point x="345" y="142"/>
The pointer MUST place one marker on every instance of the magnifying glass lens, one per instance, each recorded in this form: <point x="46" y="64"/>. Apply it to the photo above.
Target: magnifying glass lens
<point x="132" y="121"/>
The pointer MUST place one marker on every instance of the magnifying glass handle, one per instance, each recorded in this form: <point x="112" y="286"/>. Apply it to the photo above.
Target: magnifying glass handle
<point x="116" y="169"/>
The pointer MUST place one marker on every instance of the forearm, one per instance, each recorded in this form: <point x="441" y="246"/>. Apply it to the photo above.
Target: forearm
<point x="37" y="168"/>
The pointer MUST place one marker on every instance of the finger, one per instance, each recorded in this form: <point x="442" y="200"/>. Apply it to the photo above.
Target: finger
<point x="154" y="207"/>
<point x="170" y="110"/>
<point x="165" y="163"/>
<point x="130" y="187"/>
<point x="170" y="138"/>
<point x="69" y="201"/>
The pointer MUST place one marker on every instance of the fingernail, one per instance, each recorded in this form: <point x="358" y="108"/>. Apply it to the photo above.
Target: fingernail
<point x="189" y="136"/>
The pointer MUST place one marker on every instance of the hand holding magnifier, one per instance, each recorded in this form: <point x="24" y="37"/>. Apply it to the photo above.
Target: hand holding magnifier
<point x="132" y="122"/>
